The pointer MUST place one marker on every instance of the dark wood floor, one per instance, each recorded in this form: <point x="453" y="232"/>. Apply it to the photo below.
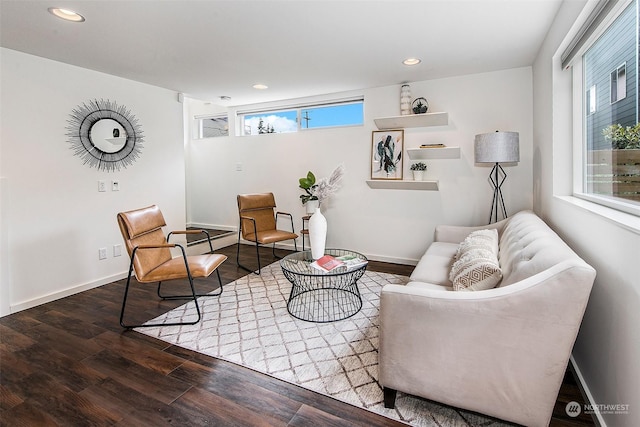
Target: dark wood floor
<point x="69" y="363"/>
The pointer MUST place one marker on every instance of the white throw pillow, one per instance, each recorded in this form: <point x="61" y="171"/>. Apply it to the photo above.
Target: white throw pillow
<point x="485" y="239"/>
<point x="477" y="267"/>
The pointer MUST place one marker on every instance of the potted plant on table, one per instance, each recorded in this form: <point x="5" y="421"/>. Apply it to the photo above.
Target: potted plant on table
<point x="310" y="200"/>
<point x="418" y="170"/>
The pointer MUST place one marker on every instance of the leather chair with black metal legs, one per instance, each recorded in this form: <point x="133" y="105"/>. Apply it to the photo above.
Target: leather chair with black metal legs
<point x="258" y="224"/>
<point x="151" y="259"/>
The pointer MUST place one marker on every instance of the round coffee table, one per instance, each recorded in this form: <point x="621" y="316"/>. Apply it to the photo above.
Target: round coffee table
<point x="319" y="296"/>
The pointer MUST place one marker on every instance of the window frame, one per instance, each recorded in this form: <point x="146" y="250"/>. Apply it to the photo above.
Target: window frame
<point x="299" y="109"/>
<point x="581" y="112"/>
<point x="199" y="127"/>
<point x="617" y="86"/>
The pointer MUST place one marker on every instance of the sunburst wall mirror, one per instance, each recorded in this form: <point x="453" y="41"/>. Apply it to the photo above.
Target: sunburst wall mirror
<point x="105" y="135"/>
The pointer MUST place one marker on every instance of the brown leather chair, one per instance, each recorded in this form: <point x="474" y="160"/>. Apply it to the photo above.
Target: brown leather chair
<point x="259" y="224"/>
<point x="151" y="258"/>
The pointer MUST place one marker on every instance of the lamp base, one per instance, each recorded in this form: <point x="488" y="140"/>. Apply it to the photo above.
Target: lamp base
<point x="497" y="177"/>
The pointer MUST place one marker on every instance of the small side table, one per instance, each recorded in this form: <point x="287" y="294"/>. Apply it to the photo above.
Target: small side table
<point x="305" y="231"/>
<point x="319" y="296"/>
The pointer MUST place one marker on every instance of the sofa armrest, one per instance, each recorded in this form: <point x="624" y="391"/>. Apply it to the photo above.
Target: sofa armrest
<point x="457" y="233"/>
<point x="502" y="352"/>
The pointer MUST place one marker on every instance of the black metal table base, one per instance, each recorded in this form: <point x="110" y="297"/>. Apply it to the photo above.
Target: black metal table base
<point x="323" y="299"/>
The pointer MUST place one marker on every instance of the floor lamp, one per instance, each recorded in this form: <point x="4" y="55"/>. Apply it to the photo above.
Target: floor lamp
<point x="497" y="147"/>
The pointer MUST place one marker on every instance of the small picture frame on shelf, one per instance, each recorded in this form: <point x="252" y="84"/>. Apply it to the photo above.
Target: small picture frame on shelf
<point x="387" y="147"/>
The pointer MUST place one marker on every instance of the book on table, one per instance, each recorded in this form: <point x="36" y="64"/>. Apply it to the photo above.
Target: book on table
<point x="328" y="262"/>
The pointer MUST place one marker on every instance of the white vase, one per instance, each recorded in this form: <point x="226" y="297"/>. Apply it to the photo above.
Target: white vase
<point x="405" y="100"/>
<point x="418" y="175"/>
<point x="311" y="206"/>
<point x="317" y="233"/>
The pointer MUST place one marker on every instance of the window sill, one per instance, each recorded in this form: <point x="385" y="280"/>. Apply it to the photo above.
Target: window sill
<point x="625" y="220"/>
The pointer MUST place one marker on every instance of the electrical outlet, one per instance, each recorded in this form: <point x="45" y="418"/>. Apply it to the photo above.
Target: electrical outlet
<point x="117" y="250"/>
<point x="102" y="186"/>
<point x="115" y="186"/>
<point x="102" y="253"/>
<point x="238" y="167"/>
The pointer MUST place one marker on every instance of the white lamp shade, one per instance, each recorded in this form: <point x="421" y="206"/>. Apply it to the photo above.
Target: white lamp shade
<point x="497" y="147"/>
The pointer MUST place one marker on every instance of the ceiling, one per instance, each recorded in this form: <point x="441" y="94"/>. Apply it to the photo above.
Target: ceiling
<point x="211" y="48"/>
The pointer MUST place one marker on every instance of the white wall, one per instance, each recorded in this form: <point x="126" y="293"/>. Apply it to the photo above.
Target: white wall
<point x="607" y="350"/>
<point x="393" y="225"/>
<point x="53" y="218"/>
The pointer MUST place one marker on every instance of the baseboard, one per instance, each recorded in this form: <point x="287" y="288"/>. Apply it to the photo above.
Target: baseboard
<point x="584" y="389"/>
<point x="24" y="305"/>
<point x="212" y="226"/>
<point x="218" y="243"/>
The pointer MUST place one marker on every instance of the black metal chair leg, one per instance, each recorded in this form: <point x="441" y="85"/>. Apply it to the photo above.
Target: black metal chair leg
<point x="195" y="301"/>
<point x="192" y="296"/>
<point x="238" y="255"/>
<point x="177" y="297"/>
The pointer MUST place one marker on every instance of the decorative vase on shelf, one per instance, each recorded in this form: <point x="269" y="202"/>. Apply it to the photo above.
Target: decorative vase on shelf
<point x="405" y="100"/>
<point x="317" y="233"/>
<point x="418" y="175"/>
<point x="311" y="206"/>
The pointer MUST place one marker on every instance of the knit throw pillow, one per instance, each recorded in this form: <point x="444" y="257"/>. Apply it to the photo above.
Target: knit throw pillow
<point x="476" y="267"/>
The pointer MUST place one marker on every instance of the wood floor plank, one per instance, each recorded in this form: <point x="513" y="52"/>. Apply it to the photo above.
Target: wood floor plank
<point x="12" y="340"/>
<point x="13" y="368"/>
<point x="132" y="375"/>
<point x="139" y="353"/>
<point x="26" y="415"/>
<point x="205" y="408"/>
<point x="8" y="399"/>
<point x="133" y="407"/>
<point x="69" y="372"/>
<point x="60" y="340"/>
<point x="230" y="386"/>
<point x="69" y="324"/>
<point x="62" y="404"/>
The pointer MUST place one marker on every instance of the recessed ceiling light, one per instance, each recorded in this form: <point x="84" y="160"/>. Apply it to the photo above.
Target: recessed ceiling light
<point x="225" y="98"/>
<point x="411" y="61"/>
<point x="260" y="86"/>
<point x="66" y="14"/>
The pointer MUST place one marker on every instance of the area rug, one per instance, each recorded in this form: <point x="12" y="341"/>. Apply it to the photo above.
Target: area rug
<point x="249" y="325"/>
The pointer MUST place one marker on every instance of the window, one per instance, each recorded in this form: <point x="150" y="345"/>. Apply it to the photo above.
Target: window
<point x="606" y="67"/>
<point x="619" y="83"/>
<point x="211" y="126"/>
<point x="299" y="118"/>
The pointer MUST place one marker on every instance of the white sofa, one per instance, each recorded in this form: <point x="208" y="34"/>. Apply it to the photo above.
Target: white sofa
<point x="502" y="351"/>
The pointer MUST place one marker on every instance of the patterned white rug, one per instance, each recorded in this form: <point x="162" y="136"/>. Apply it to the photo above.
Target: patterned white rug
<point x="249" y="325"/>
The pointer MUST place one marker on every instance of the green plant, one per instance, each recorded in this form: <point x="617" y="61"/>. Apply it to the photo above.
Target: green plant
<point x="419" y="166"/>
<point x="308" y="183"/>
<point x="623" y="137"/>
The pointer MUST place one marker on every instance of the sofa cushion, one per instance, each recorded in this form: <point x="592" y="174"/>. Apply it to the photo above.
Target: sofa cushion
<point x="528" y="246"/>
<point x="477" y="267"/>
<point x="435" y="264"/>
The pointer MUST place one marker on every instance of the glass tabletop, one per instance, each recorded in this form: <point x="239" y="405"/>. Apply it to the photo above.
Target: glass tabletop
<point x="300" y="262"/>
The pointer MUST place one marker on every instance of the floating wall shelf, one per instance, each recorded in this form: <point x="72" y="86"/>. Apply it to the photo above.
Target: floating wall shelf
<point x="390" y="184"/>
<point x="434" y="153"/>
<point x="413" y="121"/>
